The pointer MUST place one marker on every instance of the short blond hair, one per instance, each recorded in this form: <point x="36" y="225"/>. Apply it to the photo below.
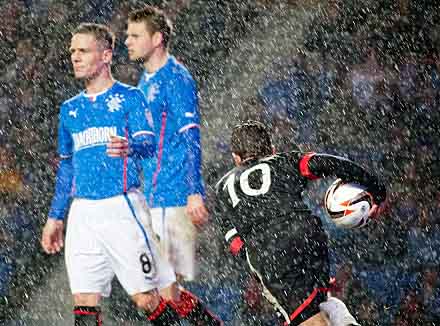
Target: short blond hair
<point x="102" y="33"/>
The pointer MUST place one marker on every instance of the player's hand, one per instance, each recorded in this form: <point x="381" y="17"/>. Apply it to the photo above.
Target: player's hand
<point x="117" y="147"/>
<point x="196" y="210"/>
<point x="377" y="210"/>
<point x="52" y="239"/>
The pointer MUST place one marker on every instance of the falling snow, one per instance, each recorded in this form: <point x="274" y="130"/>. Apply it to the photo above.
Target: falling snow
<point x="356" y="78"/>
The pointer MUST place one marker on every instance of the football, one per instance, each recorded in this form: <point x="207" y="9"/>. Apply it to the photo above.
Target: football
<point x="348" y="204"/>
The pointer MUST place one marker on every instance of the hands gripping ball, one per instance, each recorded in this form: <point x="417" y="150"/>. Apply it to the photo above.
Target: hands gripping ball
<point x="348" y="204"/>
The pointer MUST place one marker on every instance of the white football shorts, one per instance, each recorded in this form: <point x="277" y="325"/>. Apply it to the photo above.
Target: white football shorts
<point x="177" y="237"/>
<point x="104" y="238"/>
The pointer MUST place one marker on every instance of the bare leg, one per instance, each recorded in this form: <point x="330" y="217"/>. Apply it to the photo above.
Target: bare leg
<point x="316" y="320"/>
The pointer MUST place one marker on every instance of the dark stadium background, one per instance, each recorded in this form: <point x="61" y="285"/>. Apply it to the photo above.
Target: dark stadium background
<point x="357" y="78"/>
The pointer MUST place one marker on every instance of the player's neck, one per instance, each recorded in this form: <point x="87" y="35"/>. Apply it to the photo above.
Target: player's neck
<point x="157" y="60"/>
<point x="100" y="83"/>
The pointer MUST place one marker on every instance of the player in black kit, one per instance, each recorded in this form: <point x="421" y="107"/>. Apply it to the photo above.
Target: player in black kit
<point x="265" y="221"/>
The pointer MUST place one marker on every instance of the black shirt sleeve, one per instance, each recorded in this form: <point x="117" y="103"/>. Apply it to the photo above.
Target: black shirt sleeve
<point x="326" y="165"/>
<point x="224" y="212"/>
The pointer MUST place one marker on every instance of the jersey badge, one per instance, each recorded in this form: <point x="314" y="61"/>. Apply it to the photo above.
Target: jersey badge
<point x="114" y="102"/>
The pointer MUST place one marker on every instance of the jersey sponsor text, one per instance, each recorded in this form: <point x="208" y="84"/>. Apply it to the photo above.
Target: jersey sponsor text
<point x="94" y="136"/>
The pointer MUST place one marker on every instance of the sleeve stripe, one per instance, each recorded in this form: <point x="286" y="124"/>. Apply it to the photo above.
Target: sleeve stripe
<point x="230" y="234"/>
<point x="65" y="156"/>
<point x="143" y="132"/>
<point x="304" y="166"/>
<point x="189" y="126"/>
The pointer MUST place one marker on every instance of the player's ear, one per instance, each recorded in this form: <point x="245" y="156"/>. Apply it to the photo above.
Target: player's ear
<point x="157" y="39"/>
<point x="237" y="159"/>
<point x="274" y="151"/>
<point x="107" y="56"/>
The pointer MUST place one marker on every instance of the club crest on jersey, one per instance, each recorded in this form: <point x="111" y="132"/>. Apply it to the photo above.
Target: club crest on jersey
<point x="153" y="90"/>
<point x="114" y="102"/>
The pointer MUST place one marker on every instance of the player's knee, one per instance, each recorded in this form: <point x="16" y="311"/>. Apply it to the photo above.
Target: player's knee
<point x="86" y="299"/>
<point x="171" y="293"/>
<point x="147" y="301"/>
<point x="180" y="278"/>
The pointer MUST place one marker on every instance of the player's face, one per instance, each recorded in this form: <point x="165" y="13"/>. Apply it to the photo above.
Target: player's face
<point x="88" y="57"/>
<point x="140" y="42"/>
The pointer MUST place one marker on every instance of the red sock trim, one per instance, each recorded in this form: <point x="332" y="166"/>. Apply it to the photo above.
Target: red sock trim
<point x="158" y="311"/>
<point x="80" y="312"/>
<point x="187" y="303"/>
<point x="97" y="314"/>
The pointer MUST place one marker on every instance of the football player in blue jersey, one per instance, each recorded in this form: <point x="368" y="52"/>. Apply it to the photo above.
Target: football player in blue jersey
<point x="102" y="132"/>
<point x="173" y="182"/>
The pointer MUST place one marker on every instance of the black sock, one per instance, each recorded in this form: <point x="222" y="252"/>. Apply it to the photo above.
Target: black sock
<point x="164" y="315"/>
<point x="87" y="316"/>
<point x="193" y="310"/>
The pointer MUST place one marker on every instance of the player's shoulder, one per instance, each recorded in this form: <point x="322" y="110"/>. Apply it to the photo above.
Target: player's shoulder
<point x="179" y="72"/>
<point x="221" y="182"/>
<point x="290" y="155"/>
<point x="126" y="88"/>
<point x="177" y="67"/>
<point x="281" y="156"/>
<point x="280" y="159"/>
<point x="130" y="92"/>
<point x="71" y="102"/>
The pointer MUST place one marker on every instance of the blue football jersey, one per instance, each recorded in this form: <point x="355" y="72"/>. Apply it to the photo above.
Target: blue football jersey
<point x="172" y="101"/>
<point x="86" y="123"/>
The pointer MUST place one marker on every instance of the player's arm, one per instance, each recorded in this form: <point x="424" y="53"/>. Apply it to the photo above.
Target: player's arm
<point x="316" y="165"/>
<point x="195" y="202"/>
<point x="141" y="146"/>
<point x="63" y="189"/>
<point x="224" y="214"/>
<point x="183" y="103"/>
<point x="139" y="140"/>
<point x="52" y="239"/>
